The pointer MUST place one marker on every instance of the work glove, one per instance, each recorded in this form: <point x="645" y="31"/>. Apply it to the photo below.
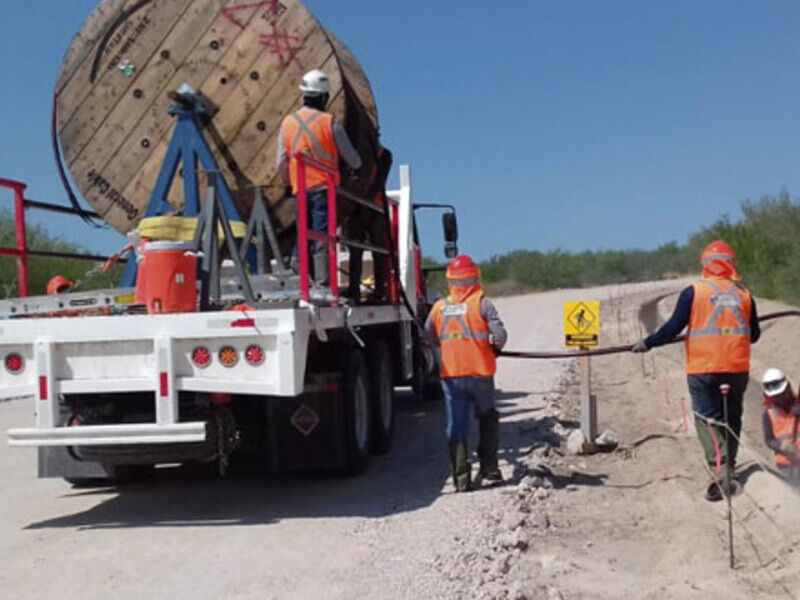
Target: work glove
<point x="639" y="346"/>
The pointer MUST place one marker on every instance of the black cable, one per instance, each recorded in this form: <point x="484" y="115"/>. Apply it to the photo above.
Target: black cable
<point x="62" y="174"/>
<point x="73" y="200"/>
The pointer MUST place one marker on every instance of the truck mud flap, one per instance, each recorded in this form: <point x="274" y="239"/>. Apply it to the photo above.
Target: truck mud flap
<point x="56" y="461"/>
<point x="305" y="432"/>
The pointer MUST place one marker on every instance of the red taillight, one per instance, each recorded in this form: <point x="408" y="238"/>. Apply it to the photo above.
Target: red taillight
<point x="14" y="363"/>
<point x="201" y="356"/>
<point x="254" y="355"/>
<point x="163" y="384"/>
<point x="43" y="395"/>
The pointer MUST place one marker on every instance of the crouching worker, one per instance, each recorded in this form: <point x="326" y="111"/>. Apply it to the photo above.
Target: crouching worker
<point x="470" y="333"/>
<point x="781" y="419"/>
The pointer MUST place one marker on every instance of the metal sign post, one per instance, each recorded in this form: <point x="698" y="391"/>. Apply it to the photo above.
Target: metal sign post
<point x="588" y="401"/>
<point x="582" y="331"/>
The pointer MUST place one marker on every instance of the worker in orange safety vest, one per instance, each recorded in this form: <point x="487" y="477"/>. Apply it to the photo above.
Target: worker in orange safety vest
<point x="312" y="131"/>
<point x="781" y="423"/>
<point x="720" y="316"/>
<point x="468" y="329"/>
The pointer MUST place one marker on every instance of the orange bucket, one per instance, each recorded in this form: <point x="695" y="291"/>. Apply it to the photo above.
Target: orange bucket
<point x="167" y="277"/>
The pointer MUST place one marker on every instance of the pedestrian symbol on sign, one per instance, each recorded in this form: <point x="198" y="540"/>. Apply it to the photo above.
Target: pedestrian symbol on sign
<point x="581" y="323"/>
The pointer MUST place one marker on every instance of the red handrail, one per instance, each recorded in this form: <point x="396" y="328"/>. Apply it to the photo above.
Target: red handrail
<point x="330" y="238"/>
<point x="21" y="250"/>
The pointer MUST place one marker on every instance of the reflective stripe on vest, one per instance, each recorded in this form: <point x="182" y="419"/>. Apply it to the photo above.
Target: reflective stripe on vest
<point x="464" y="338"/>
<point x="718" y="336"/>
<point x="310" y="132"/>
<point x="319" y="152"/>
<point x="456" y="312"/>
<point x="784" y="429"/>
<point x="723" y="301"/>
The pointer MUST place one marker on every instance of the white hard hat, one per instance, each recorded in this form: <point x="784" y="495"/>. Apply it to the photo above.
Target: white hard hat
<point x="315" y="83"/>
<point x="774" y="382"/>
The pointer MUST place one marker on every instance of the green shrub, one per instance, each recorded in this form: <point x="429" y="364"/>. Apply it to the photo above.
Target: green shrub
<point x="40" y="269"/>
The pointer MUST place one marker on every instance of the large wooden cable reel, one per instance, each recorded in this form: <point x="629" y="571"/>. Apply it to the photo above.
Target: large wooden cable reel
<point x="246" y="56"/>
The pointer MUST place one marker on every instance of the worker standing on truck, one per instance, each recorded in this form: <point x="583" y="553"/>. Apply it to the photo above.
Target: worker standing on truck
<point x="469" y="331"/>
<point x="782" y="423"/>
<point x="318" y="134"/>
<point x="722" y="322"/>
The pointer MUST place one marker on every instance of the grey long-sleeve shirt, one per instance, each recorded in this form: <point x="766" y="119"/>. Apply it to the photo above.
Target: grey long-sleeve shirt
<point x="497" y="331"/>
<point x="343" y="144"/>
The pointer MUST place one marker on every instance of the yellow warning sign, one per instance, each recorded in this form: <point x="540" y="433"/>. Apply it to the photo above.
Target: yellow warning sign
<point x="581" y="323"/>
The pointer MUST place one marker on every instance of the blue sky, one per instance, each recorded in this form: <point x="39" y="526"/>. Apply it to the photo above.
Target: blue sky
<point x="572" y="125"/>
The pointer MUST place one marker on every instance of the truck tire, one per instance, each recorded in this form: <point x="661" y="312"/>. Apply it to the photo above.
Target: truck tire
<point x="357" y="422"/>
<point x="381" y="387"/>
<point x="425" y="383"/>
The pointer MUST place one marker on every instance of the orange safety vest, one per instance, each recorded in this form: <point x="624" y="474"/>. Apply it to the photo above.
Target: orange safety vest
<point x="718" y="338"/>
<point x="310" y="131"/>
<point x="784" y="428"/>
<point x="464" y="338"/>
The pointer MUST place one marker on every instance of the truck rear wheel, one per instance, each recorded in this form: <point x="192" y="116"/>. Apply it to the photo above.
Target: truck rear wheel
<point x="357" y="421"/>
<point x="425" y="383"/>
<point x="382" y="394"/>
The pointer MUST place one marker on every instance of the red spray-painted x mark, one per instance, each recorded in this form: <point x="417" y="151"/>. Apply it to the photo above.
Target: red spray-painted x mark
<point x="274" y="11"/>
<point x="283" y="45"/>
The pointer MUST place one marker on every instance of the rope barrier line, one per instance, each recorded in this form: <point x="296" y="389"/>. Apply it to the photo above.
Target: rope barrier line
<point x="620" y="349"/>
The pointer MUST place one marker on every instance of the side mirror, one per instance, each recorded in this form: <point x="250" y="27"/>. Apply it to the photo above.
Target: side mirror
<point x="450" y="227"/>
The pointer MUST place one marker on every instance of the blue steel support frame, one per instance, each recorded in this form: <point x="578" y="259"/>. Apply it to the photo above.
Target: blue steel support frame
<point x="188" y="146"/>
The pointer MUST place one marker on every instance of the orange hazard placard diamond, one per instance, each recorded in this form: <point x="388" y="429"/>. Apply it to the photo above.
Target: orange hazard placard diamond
<point x="305" y="419"/>
<point x="581" y="323"/>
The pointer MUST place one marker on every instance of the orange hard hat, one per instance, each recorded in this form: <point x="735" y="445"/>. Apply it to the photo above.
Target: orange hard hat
<point x="59" y="284"/>
<point x="718" y="250"/>
<point x="461" y="268"/>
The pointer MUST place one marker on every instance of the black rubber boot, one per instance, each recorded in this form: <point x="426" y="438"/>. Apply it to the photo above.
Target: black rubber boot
<point x="487" y="447"/>
<point x="713" y="437"/>
<point x="459" y="465"/>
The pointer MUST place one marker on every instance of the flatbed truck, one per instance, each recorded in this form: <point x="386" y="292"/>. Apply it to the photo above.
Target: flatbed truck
<point x="296" y="382"/>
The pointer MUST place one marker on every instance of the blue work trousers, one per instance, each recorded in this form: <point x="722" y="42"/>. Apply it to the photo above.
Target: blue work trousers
<point x="461" y="393"/>
<point x="317" y="205"/>
<point x="707" y="397"/>
<point x="719" y="446"/>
